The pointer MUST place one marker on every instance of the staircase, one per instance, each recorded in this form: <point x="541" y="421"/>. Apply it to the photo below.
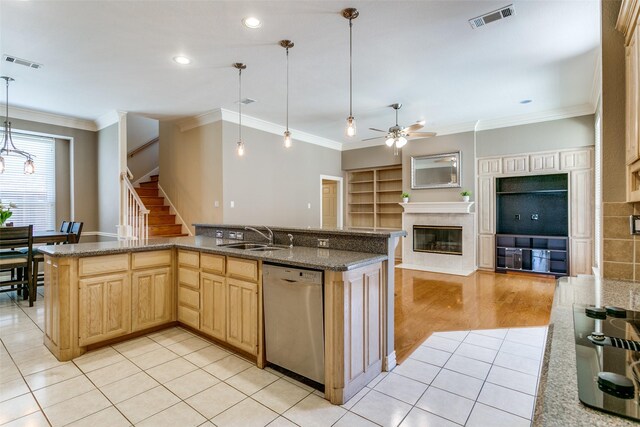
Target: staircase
<point x="162" y="223"/>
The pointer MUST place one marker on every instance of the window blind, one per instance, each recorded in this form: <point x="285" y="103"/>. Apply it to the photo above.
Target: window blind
<point x="35" y="195"/>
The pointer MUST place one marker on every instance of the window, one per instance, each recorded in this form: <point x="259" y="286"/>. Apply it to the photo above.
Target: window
<point x="34" y="194"/>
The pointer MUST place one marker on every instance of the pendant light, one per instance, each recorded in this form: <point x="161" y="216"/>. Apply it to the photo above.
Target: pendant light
<point x="287" y="44"/>
<point x="240" y="66"/>
<point x="351" y="14"/>
<point x="8" y="147"/>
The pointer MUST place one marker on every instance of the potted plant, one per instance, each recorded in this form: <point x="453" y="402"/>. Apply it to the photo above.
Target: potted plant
<point x="5" y="212"/>
<point x="405" y="197"/>
<point x="465" y="195"/>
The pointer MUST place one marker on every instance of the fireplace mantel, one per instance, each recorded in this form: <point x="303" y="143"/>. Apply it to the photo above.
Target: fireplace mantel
<point x="438" y="207"/>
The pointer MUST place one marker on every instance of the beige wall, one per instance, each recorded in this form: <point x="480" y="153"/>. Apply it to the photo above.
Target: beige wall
<point x="63" y="180"/>
<point x="272" y="185"/>
<point x="83" y="156"/>
<point x="370" y="157"/>
<point x="108" y="179"/>
<point x="141" y="130"/>
<point x="191" y="171"/>
<point x="544" y="136"/>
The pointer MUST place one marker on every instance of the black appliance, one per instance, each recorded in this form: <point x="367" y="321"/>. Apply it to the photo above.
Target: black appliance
<point x="608" y="359"/>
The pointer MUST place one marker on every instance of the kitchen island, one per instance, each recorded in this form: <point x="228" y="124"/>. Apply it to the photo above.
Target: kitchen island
<point x="557" y="403"/>
<point x="98" y="293"/>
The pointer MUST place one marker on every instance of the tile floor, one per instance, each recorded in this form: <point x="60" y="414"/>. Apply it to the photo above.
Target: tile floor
<point x="173" y="378"/>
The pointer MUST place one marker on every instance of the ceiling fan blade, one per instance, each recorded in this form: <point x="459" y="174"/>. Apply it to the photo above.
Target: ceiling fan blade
<point x="421" y="134"/>
<point x="413" y="127"/>
<point x="378" y="130"/>
<point x="375" y="137"/>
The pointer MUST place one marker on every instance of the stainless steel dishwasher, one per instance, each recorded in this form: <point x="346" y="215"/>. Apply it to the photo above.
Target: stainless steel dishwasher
<point x="293" y="320"/>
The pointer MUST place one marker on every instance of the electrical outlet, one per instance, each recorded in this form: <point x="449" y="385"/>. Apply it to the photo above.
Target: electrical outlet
<point x="216" y="204"/>
<point x="239" y="235"/>
<point x="534" y="217"/>
<point x="517" y="217"/>
<point x="219" y="234"/>
<point x="232" y="234"/>
<point x="308" y="205"/>
<point x="323" y="243"/>
<point x="232" y="204"/>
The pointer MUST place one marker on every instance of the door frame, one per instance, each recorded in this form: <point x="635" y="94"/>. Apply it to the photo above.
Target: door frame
<point x="340" y="193"/>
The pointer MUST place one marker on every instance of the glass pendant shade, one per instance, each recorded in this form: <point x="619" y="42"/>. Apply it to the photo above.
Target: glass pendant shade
<point x="240" y="148"/>
<point x="287" y="139"/>
<point x="389" y="142"/>
<point x="401" y="141"/>
<point x="351" y="126"/>
<point x="1" y="164"/>
<point x="29" y="167"/>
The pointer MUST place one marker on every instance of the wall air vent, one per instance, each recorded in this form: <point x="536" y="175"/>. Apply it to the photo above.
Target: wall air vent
<point x="490" y="17"/>
<point x="24" y="62"/>
<point x="247" y="101"/>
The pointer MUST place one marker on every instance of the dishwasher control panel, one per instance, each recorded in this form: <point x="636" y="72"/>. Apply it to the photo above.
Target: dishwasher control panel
<point x="293" y="274"/>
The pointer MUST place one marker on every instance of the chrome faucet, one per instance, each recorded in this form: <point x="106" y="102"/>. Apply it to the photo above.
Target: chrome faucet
<point x="269" y="237"/>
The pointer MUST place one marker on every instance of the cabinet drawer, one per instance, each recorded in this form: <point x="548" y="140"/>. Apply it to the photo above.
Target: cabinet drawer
<point x="242" y="268"/>
<point x="188" y="277"/>
<point x="212" y="263"/>
<point x="189" y="316"/>
<point x="189" y="297"/>
<point x="189" y="259"/>
<point x="103" y="264"/>
<point x="151" y="259"/>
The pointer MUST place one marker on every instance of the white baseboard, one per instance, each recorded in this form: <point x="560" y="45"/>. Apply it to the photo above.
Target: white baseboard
<point x="175" y="211"/>
<point x="435" y="269"/>
<point x="147" y="176"/>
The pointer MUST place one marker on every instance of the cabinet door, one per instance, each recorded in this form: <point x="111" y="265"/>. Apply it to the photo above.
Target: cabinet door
<point x="544" y="162"/>
<point x="486" y="251"/>
<point x="581" y="203"/>
<point x="489" y="167"/>
<point x="152" y="298"/>
<point x="581" y="256"/>
<point x="486" y="205"/>
<point x="632" y="99"/>
<point x="579" y="159"/>
<point x="189" y="293"/>
<point x="213" y="305"/>
<point x="242" y="315"/>
<point x="516" y="164"/>
<point x="104" y="308"/>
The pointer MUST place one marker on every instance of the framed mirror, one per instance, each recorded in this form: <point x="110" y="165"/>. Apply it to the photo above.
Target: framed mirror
<point x="435" y="171"/>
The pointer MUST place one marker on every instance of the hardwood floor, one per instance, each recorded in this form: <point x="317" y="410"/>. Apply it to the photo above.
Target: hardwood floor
<point x="432" y="302"/>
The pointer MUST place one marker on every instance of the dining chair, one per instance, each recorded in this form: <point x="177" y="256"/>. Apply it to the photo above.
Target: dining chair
<point x="21" y="263"/>
<point x="65" y="226"/>
<point x="75" y="231"/>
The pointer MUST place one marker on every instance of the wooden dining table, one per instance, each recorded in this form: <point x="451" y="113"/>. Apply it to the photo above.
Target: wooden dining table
<point x="50" y="237"/>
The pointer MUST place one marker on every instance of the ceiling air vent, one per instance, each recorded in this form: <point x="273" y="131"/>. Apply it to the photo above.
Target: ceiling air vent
<point x="247" y="101"/>
<point x="19" y="61"/>
<point x="490" y="17"/>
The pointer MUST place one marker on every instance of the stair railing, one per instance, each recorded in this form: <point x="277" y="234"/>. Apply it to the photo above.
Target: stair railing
<point x="135" y="214"/>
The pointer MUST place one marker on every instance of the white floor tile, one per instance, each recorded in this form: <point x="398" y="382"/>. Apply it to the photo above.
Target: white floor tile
<point x="112" y="373"/>
<point x="513" y="379"/>
<point x="215" y="400"/>
<point x="356" y="398"/>
<point x="14" y="388"/>
<point x="430" y="355"/>
<point x="483" y="341"/>
<point x="279" y="422"/>
<point x="153" y="358"/>
<point x="136" y="347"/>
<point x="180" y="414"/>
<point x="129" y="387"/>
<point x="110" y="417"/>
<point x="170" y="336"/>
<point x="207" y="355"/>
<point x="540" y="331"/>
<point x="524" y="338"/>
<point x="98" y="359"/>
<point x="517" y="363"/>
<point x="146" y="404"/>
<point x="251" y="380"/>
<point x="246" y="413"/>
<point x="189" y="345"/>
<point x="381" y="409"/>
<point x="508" y="400"/>
<point x="475" y="352"/>
<point x="483" y="416"/>
<point x="522" y="350"/>
<point x="419" y="418"/>
<point x="453" y="335"/>
<point x="52" y="376"/>
<point x="192" y="383"/>
<point x="495" y="333"/>
<point x="62" y="391"/>
<point x="352" y="420"/>
<point x="314" y="411"/>
<point x="227" y="367"/>
<point x="36" y="419"/>
<point x="447" y="405"/>
<point x="280" y="395"/>
<point x="17" y="407"/>
<point x="377" y="379"/>
<point x="471" y="367"/>
<point x="76" y="408"/>
<point x="171" y="370"/>
<point x="459" y="384"/>
<point x="417" y="370"/>
<point x="441" y="343"/>
<point x="402" y="388"/>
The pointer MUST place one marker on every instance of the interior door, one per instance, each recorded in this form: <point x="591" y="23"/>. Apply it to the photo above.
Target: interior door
<point x="329" y="204"/>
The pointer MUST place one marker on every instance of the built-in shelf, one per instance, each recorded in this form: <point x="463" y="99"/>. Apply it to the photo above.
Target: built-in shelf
<point x="531" y="192"/>
<point x="361" y="182"/>
<point x="532" y="254"/>
<point x="361" y="203"/>
<point x="361" y="192"/>
<point x="390" y="180"/>
<point x="377" y="188"/>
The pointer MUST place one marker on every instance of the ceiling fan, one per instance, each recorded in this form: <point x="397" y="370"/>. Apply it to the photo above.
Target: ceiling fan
<point x="397" y="136"/>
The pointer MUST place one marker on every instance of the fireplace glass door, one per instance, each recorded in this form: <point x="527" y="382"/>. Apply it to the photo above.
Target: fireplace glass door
<point x="437" y="239"/>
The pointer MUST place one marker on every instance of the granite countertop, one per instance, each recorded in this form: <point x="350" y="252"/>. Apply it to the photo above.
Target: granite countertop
<point x="299" y="256"/>
<point x="367" y="232"/>
<point x="558" y="403"/>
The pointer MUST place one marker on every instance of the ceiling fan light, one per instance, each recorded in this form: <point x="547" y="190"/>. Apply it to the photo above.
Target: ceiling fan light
<point x="401" y="141"/>
<point x="351" y="126"/>
<point x="389" y="142"/>
<point x="1" y="164"/>
<point x="287" y="139"/>
<point x="29" y="167"/>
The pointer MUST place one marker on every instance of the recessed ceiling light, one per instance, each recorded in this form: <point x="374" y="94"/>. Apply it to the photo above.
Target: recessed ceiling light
<point x="182" y="60"/>
<point x="252" y="22"/>
<point x="526" y="101"/>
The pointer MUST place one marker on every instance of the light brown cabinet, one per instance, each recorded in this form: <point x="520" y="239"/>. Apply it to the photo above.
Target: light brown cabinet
<point x="189" y="288"/>
<point x="213" y="314"/>
<point x="104" y="308"/>
<point x="152" y="298"/>
<point x="242" y="317"/>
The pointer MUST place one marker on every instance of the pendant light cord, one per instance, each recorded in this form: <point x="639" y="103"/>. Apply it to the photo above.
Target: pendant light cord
<point x="287" y="89"/>
<point x="240" y="104"/>
<point x="350" y="67"/>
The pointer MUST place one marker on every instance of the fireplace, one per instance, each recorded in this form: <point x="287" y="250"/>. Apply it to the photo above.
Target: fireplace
<point x="437" y="239"/>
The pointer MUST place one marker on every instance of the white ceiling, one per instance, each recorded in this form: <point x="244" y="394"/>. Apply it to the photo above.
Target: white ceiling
<point x="101" y="56"/>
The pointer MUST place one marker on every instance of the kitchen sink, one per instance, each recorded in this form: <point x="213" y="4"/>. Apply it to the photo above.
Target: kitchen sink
<point x="244" y="245"/>
<point x="268" y="248"/>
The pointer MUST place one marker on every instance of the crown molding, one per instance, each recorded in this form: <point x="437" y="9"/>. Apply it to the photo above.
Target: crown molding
<point x="107" y="119"/>
<point x="255" y="123"/>
<point x="51" y="119"/>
